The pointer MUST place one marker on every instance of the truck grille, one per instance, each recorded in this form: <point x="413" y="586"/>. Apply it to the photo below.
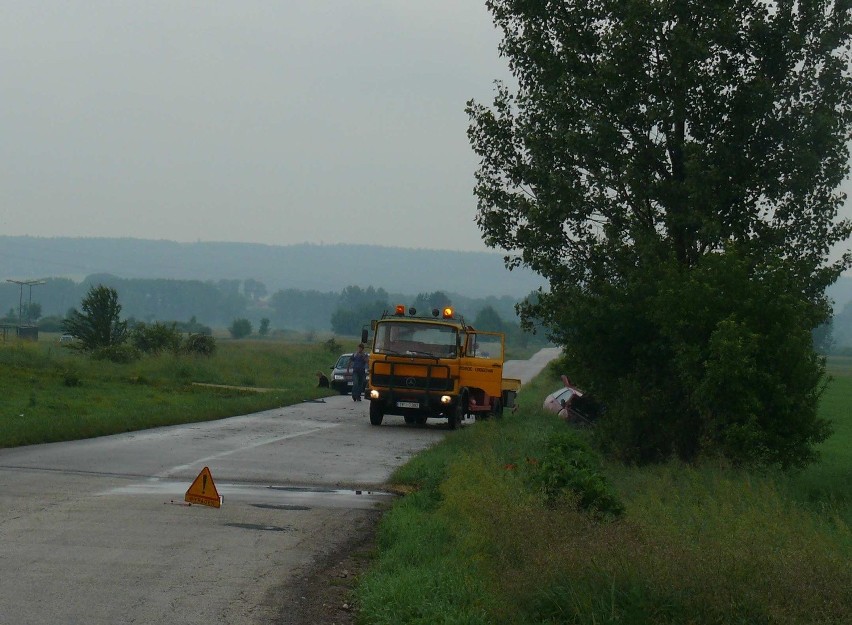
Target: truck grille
<point x="415" y="383"/>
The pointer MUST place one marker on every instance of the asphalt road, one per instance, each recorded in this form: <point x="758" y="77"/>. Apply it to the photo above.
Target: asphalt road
<point x="97" y="531"/>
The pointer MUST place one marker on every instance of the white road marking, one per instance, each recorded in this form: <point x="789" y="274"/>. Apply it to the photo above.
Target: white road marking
<point x="260" y="443"/>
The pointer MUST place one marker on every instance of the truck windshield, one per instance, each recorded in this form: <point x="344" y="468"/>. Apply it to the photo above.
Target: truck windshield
<point x="415" y="339"/>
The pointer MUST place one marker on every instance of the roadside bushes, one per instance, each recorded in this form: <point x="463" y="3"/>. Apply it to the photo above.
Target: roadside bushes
<point x="569" y="471"/>
<point x="716" y="360"/>
<point x="200" y="344"/>
<point x="155" y="338"/>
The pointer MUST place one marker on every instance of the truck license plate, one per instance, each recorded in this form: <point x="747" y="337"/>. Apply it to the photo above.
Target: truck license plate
<point x="407" y="404"/>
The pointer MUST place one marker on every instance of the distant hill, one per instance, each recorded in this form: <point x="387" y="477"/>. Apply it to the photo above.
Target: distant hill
<point x="323" y="268"/>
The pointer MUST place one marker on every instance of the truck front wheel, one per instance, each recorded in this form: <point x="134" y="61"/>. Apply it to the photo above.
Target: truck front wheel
<point x="456" y="416"/>
<point x="376" y="413"/>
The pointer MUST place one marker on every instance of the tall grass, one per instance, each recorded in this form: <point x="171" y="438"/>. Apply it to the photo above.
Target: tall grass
<point x="827" y="486"/>
<point x="696" y="544"/>
<point x="49" y="393"/>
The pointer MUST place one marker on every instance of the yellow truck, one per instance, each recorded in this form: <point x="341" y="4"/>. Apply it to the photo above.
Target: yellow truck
<point x="436" y="367"/>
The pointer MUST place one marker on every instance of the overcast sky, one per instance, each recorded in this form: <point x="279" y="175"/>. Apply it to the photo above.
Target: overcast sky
<point x="278" y="122"/>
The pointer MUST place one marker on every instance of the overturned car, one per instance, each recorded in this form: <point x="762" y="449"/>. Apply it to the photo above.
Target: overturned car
<point x="573" y="405"/>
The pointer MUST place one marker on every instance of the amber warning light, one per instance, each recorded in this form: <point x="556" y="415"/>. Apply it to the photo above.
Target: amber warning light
<point x="448" y="313"/>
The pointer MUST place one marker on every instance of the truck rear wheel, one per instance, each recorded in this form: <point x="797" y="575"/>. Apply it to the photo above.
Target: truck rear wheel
<point x="496" y="409"/>
<point x="376" y="413"/>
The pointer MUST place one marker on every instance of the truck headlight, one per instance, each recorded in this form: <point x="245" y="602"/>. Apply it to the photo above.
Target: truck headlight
<point x="446" y="399"/>
<point x="338" y="376"/>
<point x="374" y="394"/>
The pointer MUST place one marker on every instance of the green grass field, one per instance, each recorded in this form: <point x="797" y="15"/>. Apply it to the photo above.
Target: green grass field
<point x="49" y="393"/>
<point x="476" y="542"/>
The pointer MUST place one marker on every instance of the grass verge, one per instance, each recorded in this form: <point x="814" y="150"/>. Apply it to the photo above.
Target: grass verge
<point x="480" y="539"/>
<point x="49" y="393"/>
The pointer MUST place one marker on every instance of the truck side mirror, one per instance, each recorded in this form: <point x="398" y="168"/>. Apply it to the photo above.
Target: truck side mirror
<point x="364" y="335"/>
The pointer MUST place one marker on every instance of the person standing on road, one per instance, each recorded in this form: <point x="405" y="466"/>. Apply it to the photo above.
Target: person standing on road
<point x="358" y="366"/>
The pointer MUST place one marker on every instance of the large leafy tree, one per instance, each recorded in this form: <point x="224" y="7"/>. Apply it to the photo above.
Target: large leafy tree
<point x="99" y="324"/>
<point x="672" y="168"/>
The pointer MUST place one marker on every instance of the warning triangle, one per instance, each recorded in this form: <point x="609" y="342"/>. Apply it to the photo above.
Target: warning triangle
<point x="203" y="490"/>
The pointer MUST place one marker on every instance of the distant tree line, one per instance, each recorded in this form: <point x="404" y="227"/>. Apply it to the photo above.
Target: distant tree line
<point x="245" y="306"/>
<point x="196" y="306"/>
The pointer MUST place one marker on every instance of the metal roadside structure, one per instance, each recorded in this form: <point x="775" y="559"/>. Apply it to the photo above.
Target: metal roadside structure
<point x="26" y="331"/>
<point x="436" y="367"/>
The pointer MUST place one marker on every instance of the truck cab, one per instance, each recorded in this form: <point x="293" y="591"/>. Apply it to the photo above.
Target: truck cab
<point x="435" y="367"/>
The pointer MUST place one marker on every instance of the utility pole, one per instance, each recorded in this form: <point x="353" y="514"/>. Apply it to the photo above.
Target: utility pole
<point x="30" y="284"/>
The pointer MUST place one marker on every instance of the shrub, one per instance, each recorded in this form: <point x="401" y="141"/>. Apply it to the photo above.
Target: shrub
<point x="154" y="338"/>
<point x="240" y="328"/>
<point x="569" y="471"/>
<point x="98" y="325"/>
<point x="199" y="344"/>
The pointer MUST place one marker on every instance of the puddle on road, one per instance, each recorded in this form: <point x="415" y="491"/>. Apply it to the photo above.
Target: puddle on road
<point x="274" y="506"/>
<point x="259" y="527"/>
<point x="273" y="497"/>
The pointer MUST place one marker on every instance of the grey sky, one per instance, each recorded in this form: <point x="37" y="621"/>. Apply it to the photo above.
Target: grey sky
<point x="279" y="122"/>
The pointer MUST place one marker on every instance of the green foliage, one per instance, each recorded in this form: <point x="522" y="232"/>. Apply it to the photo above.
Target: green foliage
<point x="240" y="328"/>
<point x="199" y="344"/>
<point x="568" y="471"/>
<point x="701" y="544"/>
<point x="718" y="363"/>
<point x="155" y="338"/>
<point x="99" y="325"/>
<point x="264" y="327"/>
<point x="685" y="237"/>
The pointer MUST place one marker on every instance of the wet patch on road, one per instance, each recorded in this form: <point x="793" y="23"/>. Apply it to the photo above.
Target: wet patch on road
<point x="272" y="506"/>
<point x="259" y="527"/>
